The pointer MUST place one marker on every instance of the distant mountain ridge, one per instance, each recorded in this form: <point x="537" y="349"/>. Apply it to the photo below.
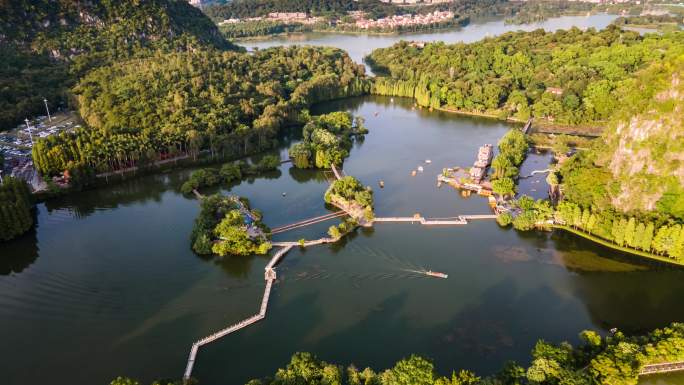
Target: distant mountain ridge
<point x="66" y="28"/>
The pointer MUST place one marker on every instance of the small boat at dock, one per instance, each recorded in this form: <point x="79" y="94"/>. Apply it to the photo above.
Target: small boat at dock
<point x="436" y="274"/>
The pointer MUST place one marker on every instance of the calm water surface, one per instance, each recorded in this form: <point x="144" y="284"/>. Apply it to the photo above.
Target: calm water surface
<point x="358" y="46"/>
<point x="107" y="285"/>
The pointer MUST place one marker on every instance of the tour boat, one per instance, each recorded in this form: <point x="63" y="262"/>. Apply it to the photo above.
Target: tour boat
<point x="436" y="274"/>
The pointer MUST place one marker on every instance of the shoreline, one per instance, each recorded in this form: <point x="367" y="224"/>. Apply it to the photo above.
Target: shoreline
<point x="540" y="126"/>
<point x="245" y="39"/>
<point x="613" y="246"/>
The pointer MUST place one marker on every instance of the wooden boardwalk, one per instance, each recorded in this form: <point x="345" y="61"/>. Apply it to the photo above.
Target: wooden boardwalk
<point x="270" y="277"/>
<point x="527" y="126"/>
<point x="338" y="174"/>
<point x="459" y="220"/>
<point x="665" y="367"/>
<point x="308" y="222"/>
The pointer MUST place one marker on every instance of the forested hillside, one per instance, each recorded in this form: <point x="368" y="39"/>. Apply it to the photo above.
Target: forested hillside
<point x="637" y="166"/>
<point x="339" y="8"/>
<point x="571" y="77"/>
<point x="233" y="104"/>
<point x="252" y="8"/>
<point x="47" y="45"/>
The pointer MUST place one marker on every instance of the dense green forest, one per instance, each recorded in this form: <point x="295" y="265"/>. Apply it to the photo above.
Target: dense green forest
<point x="569" y="77"/>
<point x="16" y="216"/>
<point x="231" y="103"/>
<point x="261" y="28"/>
<point x="253" y="8"/>
<point x="628" y="188"/>
<point x="25" y="79"/>
<point x="513" y="148"/>
<point x="338" y="8"/>
<point x="614" y="359"/>
<point x="539" y="10"/>
<point x="47" y="45"/>
<point x="227" y="226"/>
<point x="326" y="140"/>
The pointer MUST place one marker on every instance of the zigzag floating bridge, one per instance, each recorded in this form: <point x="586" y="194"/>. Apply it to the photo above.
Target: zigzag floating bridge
<point x="270" y="273"/>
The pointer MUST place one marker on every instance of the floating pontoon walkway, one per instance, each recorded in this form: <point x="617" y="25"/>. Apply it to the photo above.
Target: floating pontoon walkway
<point x="270" y="277"/>
<point x="308" y="222"/>
<point x="665" y="367"/>
<point x="459" y="220"/>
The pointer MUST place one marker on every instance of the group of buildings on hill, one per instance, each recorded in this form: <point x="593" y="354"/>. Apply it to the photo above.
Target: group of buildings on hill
<point x="397" y="21"/>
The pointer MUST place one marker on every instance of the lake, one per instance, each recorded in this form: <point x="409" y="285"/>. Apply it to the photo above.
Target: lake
<point x="107" y="285"/>
<point x="359" y="45"/>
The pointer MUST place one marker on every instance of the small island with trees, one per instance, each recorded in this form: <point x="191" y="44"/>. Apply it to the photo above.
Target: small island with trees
<point x="326" y="140"/>
<point x="227" y="226"/>
<point x="351" y="196"/>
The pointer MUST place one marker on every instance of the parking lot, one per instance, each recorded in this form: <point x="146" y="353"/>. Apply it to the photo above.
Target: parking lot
<point x="16" y="144"/>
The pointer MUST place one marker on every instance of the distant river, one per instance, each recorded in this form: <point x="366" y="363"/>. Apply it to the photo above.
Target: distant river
<point x="358" y="46"/>
<point x="107" y="285"/>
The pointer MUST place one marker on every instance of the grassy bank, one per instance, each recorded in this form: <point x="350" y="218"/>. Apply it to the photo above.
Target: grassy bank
<point x="620" y="248"/>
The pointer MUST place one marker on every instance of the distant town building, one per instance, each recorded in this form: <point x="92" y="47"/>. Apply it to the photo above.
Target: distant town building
<point x="197" y="3"/>
<point x="405" y="20"/>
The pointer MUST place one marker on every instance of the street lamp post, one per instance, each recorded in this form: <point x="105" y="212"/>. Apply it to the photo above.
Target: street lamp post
<point x="28" y="126"/>
<point x="47" y="109"/>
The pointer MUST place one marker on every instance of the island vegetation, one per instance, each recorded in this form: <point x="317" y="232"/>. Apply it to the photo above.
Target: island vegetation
<point x="16" y="208"/>
<point x="513" y="148"/>
<point x="326" y="140"/>
<point x="351" y="196"/>
<point x="615" y="359"/>
<point x="228" y="173"/>
<point x="227" y="226"/>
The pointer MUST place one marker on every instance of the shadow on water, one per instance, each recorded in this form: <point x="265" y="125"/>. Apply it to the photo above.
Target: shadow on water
<point x="19" y="253"/>
<point x="307" y="175"/>
<point x="137" y="190"/>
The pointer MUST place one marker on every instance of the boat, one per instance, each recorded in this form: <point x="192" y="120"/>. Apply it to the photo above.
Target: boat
<point x="381" y="183"/>
<point x="436" y="274"/>
<point x="428" y="161"/>
<point x="420" y="168"/>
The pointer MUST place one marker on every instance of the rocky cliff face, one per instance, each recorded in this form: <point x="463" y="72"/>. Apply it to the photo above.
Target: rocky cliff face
<point x="645" y="152"/>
